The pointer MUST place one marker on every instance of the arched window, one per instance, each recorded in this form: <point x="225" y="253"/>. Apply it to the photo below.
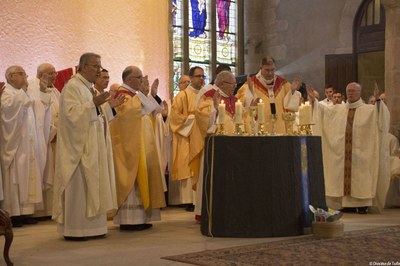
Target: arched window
<point x="206" y="33"/>
<point x="369" y="27"/>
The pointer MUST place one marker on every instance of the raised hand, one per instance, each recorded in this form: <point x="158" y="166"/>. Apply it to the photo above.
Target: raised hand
<point x="376" y="90"/>
<point x="310" y="93"/>
<point x="154" y="87"/>
<point x="117" y="101"/>
<point x="216" y="99"/>
<point x="101" y="98"/>
<point x="295" y="84"/>
<point x="250" y="83"/>
<point x="145" y="85"/>
<point x="164" y="112"/>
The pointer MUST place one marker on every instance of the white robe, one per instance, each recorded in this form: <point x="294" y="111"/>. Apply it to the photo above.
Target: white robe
<point x="42" y="107"/>
<point x="369" y="167"/>
<point x="84" y="183"/>
<point x="22" y="180"/>
<point x="393" y="196"/>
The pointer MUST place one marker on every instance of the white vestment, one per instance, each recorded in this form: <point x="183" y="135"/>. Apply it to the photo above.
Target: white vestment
<point x="84" y="183"/>
<point x="43" y="107"/>
<point x="368" y="157"/>
<point x="22" y="180"/>
<point x="393" y="196"/>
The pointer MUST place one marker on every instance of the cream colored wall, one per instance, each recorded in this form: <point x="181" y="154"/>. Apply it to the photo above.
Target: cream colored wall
<point x="123" y="32"/>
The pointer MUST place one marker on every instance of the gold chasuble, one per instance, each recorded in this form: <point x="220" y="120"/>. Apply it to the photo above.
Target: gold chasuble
<point x="128" y="148"/>
<point x="269" y="93"/>
<point x="188" y="127"/>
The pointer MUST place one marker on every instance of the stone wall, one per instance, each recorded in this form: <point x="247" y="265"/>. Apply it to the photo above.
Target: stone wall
<point x="123" y="32"/>
<point x="298" y="34"/>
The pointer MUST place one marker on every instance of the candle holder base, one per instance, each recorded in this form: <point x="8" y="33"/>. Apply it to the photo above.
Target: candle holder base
<point x="261" y="129"/>
<point x="221" y="130"/>
<point x="238" y="130"/>
<point x="305" y="130"/>
<point x="273" y="121"/>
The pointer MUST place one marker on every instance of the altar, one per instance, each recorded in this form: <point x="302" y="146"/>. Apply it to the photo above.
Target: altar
<point x="261" y="186"/>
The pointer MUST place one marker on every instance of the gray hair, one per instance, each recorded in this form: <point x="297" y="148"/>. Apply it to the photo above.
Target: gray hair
<point x="42" y="68"/>
<point x="222" y="77"/>
<point x="10" y="70"/>
<point x="85" y="58"/>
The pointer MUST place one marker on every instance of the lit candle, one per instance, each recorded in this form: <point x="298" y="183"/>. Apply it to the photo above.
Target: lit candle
<point x="305" y="114"/>
<point x="238" y="112"/>
<point x="221" y="113"/>
<point x="261" y="112"/>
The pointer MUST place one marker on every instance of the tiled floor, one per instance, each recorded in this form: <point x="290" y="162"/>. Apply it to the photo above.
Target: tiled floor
<point x="177" y="233"/>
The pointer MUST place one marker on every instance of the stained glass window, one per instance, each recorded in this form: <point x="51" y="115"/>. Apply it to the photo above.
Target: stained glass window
<point x="209" y="40"/>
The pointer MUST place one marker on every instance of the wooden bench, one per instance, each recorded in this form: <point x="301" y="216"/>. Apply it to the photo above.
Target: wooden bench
<point x="6" y="230"/>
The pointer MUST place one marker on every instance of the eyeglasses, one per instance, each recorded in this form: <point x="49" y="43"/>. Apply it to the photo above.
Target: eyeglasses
<point x="233" y="84"/>
<point x="52" y="73"/>
<point x="96" y="66"/>
<point x="199" y="76"/>
<point x="23" y="74"/>
<point x="138" y="77"/>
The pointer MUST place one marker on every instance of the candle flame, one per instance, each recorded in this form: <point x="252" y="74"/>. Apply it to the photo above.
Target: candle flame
<point x="222" y="101"/>
<point x="238" y="101"/>
<point x="260" y="100"/>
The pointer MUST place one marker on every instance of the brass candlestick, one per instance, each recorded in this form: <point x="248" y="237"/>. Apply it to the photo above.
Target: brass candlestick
<point x="221" y="129"/>
<point x="273" y="121"/>
<point x="238" y="129"/>
<point x="261" y="129"/>
<point x="289" y="120"/>
<point x="305" y="130"/>
<point x="253" y="114"/>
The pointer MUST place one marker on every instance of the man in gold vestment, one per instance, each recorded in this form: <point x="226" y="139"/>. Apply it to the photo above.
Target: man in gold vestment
<point x="187" y="138"/>
<point x="140" y="191"/>
<point x="277" y="93"/>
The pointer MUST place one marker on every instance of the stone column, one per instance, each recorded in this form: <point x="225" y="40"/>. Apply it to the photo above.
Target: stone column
<point x="392" y="63"/>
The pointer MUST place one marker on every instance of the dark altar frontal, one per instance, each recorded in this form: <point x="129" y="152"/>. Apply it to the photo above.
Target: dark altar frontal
<point x="261" y="186"/>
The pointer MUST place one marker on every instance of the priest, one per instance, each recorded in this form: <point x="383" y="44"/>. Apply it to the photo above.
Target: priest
<point x="84" y="184"/>
<point x="140" y="188"/>
<point x="356" y="154"/>
<point x="187" y="139"/>
<point x="20" y="164"/>
<point x="276" y="93"/>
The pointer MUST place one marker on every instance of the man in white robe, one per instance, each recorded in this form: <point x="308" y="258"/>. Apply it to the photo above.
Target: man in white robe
<point x="84" y="183"/>
<point x="328" y="101"/>
<point x="45" y="107"/>
<point x="355" y="152"/>
<point x="22" y="180"/>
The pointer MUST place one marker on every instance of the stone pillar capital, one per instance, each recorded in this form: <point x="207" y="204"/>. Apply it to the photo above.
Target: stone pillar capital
<point x="388" y="4"/>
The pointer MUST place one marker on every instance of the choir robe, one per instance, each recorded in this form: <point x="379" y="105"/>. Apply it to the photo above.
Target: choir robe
<point x="84" y="173"/>
<point x="280" y="93"/>
<point x="206" y="105"/>
<point x="393" y="195"/>
<point x="44" y="109"/>
<point x="188" y="140"/>
<point x="22" y="180"/>
<point x="364" y="179"/>
<point x="140" y="189"/>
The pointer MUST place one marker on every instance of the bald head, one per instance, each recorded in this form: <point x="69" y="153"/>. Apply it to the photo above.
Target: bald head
<point x="133" y="77"/>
